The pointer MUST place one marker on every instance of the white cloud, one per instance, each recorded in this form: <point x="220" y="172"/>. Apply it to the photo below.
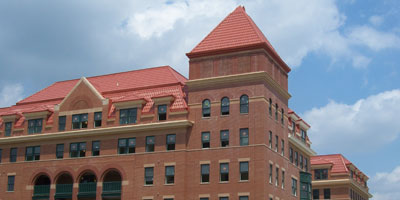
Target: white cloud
<point x="363" y="126"/>
<point x="10" y="94"/>
<point x="386" y="185"/>
<point x="376" y="20"/>
<point x="374" y="39"/>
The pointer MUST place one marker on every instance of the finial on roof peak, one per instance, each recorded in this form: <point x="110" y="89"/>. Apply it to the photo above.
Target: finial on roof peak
<point x="240" y="8"/>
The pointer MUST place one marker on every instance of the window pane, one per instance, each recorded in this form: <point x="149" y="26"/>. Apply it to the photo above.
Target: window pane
<point x="132" y="142"/>
<point x="170" y="170"/>
<point x="224" y="167"/>
<point x="171" y="139"/>
<point x="225" y="135"/>
<point x="244" y="166"/>
<point x="97" y="116"/>
<point x="205" y="169"/>
<point x="162" y="109"/>
<point x="205" y="136"/>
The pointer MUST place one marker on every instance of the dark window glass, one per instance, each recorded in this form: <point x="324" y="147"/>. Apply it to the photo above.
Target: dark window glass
<point x="35" y="126"/>
<point x="296" y="158"/>
<point x="224" y="198"/>
<point x="127" y="116"/>
<point x="303" y="135"/>
<point x="205" y="173"/>
<point x="276" y="143"/>
<point x="205" y="139"/>
<point x="291" y="154"/>
<point x="293" y="127"/>
<point x="282" y="116"/>
<point x="162" y="112"/>
<point x="306" y="164"/>
<point x="32" y="153"/>
<point x="150" y="140"/>
<point x="244" y="104"/>
<point x="148" y="175"/>
<point x="60" y="151"/>
<point x="244" y="136"/>
<point x="224" y="172"/>
<point x="79" y="121"/>
<point x="270" y="173"/>
<point x="171" y="140"/>
<point x="225" y="106"/>
<point x="77" y="149"/>
<point x="206" y="108"/>
<point x="276" y="176"/>
<point x="283" y="179"/>
<point x="315" y="194"/>
<point x="95" y="148"/>
<point x="294" y="187"/>
<point x="327" y="193"/>
<point x="97" y="119"/>
<point x="10" y="185"/>
<point x="244" y="171"/>
<point x="301" y="161"/>
<point x="61" y="123"/>
<point x="8" y="128"/>
<point x="321" y="174"/>
<point x="169" y="175"/>
<point x="270" y="107"/>
<point x="204" y="198"/>
<point x="224" y="138"/>
<point x="283" y="147"/>
<point x="270" y="139"/>
<point x="243" y="198"/>
<point x="1" y="153"/>
<point x="13" y="154"/>
<point x="126" y="145"/>
<point x="276" y="111"/>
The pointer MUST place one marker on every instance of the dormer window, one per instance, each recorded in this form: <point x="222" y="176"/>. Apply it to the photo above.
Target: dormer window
<point x="97" y="119"/>
<point x="35" y="126"/>
<point x="162" y="112"/>
<point x="303" y="135"/>
<point x="8" y="128"/>
<point x="321" y="174"/>
<point x="294" y="127"/>
<point x="206" y="108"/>
<point x="79" y="121"/>
<point x="127" y="116"/>
<point x="225" y="106"/>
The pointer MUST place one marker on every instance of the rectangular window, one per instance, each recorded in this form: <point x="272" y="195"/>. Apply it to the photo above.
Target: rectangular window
<point x="293" y="127"/>
<point x="244" y="136"/>
<point x="282" y="117"/>
<point x="282" y="147"/>
<point x="224" y="198"/>
<point x="296" y="158"/>
<point x="150" y="140"/>
<point x="148" y="175"/>
<point x="291" y="154"/>
<point x="1" y="152"/>
<point x="294" y="187"/>
<point x="171" y="140"/>
<point x="205" y="139"/>
<point x="205" y="173"/>
<point x="276" y="112"/>
<point x="315" y="194"/>
<point x="162" y="112"/>
<point x="60" y="151"/>
<point x="127" y="116"/>
<point x="243" y="198"/>
<point x="224" y="172"/>
<point x="270" y="139"/>
<point x="79" y="121"/>
<point x="35" y="126"/>
<point x="224" y="138"/>
<point x="244" y="171"/>
<point x="270" y="173"/>
<point x="277" y="176"/>
<point x="97" y="119"/>
<point x="283" y="179"/>
<point x="169" y="175"/>
<point x="61" y="123"/>
<point x="204" y="198"/>
<point x="301" y="161"/>
<point x="13" y="154"/>
<point x="276" y="143"/>
<point x="321" y="174"/>
<point x="126" y="145"/>
<point x="327" y="193"/>
<point x="32" y="153"/>
<point x="303" y="135"/>
<point x="95" y="148"/>
<point x="77" y="149"/>
<point x="10" y="185"/>
<point x="306" y="164"/>
<point x="8" y="128"/>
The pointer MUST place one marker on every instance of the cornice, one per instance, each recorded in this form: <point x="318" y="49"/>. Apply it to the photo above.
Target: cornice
<point x="341" y="182"/>
<point x="97" y="131"/>
<point x="299" y="144"/>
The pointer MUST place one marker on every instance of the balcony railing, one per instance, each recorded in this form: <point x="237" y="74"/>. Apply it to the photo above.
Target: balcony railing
<point x="41" y="191"/>
<point x="87" y="189"/>
<point x="63" y="191"/>
<point x="112" y="188"/>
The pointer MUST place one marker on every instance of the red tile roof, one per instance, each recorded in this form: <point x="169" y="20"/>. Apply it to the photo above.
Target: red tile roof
<point x="339" y="163"/>
<point x="236" y="32"/>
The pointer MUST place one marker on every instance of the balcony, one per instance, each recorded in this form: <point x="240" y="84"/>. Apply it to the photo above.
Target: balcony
<point x="87" y="189"/>
<point x="63" y="191"/>
<point x="111" y="189"/>
<point x="41" y="192"/>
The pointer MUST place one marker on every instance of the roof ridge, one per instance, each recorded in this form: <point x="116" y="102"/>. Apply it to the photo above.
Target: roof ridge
<point x="344" y="164"/>
<point x="260" y="35"/>
<point x="176" y="73"/>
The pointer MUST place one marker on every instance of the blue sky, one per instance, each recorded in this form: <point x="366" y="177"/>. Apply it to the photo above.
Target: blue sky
<point x="344" y="57"/>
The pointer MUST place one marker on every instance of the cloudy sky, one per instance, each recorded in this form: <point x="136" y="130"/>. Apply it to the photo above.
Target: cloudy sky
<point x="344" y="57"/>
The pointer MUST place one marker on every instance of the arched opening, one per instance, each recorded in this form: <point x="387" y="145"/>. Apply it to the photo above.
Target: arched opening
<point x="41" y="188"/>
<point x="112" y="183"/>
<point x="87" y="186"/>
<point x="64" y="185"/>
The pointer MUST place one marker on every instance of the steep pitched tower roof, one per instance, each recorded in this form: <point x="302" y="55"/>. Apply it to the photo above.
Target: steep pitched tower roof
<point x="237" y="32"/>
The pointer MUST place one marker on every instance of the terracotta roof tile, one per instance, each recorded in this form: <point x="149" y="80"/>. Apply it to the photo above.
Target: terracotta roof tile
<point x="339" y="163"/>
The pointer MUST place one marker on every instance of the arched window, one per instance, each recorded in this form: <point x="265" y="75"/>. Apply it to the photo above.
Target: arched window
<point x="244" y="104"/>
<point x="276" y="111"/>
<point x="283" y="114"/>
<point x="270" y="107"/>
<point x="206" y="107"/>
<point x="225" y="106"/>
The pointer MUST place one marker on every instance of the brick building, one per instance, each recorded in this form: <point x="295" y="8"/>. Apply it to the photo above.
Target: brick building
<point x="224" y="133"/>
<point x="335" y="177"/>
